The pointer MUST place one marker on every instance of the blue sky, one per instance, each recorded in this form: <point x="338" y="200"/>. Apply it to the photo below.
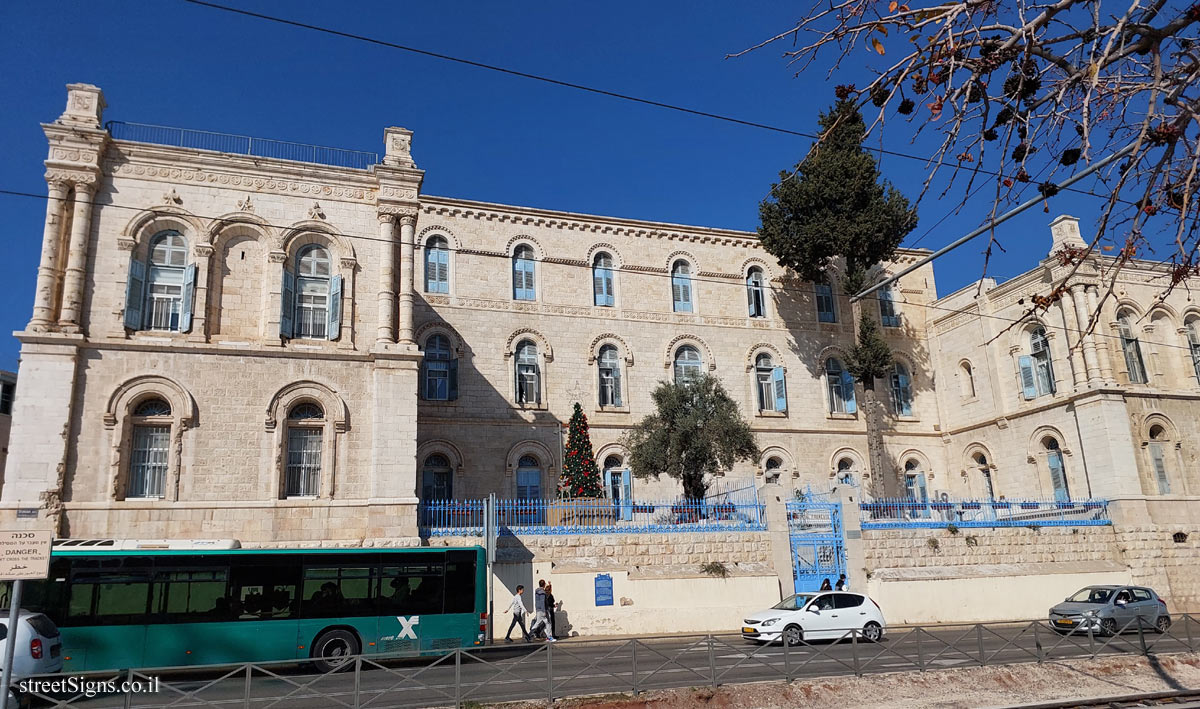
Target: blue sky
<point x="479" y="135"/>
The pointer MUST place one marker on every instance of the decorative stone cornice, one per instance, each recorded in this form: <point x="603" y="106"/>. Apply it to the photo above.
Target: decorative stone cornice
<point x="74" y="177"/>
<point x="280" y="184"/>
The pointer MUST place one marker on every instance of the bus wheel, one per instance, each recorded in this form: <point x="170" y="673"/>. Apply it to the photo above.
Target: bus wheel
<point x="333" y="648"/>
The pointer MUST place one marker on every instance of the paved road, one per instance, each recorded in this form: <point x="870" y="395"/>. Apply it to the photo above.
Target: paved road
<point x="578" y="667"/>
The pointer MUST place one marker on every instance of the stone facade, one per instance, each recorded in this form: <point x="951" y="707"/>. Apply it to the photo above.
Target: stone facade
<point x="8" y="390"/>
<point x="331" y="345"/>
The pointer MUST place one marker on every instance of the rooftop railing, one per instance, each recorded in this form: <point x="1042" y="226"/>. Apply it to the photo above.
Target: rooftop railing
<point x="908" y="513"/>
<point x="241" y="145"/>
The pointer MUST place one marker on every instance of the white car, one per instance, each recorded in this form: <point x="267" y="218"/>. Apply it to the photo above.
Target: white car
<point x="829" y="615"/>
<point x="39" y="644"/>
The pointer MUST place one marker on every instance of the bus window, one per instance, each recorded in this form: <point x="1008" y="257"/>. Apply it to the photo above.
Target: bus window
<point x="333" y="591"/>
<point x="264" y="591"/>
<point x="118" y="590"/>
<point x="411" y="589"/>
<point x="192" y="596"/>
<point x="460" y="582"/>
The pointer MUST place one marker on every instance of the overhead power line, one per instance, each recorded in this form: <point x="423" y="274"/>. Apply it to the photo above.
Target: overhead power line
<point x="780" y="287"/>
<point x="573" y="85"/>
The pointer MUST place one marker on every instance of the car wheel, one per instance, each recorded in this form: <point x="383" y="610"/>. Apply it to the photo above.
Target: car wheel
<point x="793" y="635"/>
<point x="1162" y="624"/>
<point x="1108" y="626"/>
<point x="333" y="648"/>
<point x="872" y="632"/>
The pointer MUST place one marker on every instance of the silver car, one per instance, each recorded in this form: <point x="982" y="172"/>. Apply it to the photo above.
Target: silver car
<point x="1109" y="610"/>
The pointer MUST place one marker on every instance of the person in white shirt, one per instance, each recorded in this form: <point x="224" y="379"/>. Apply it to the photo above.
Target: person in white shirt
<point x="518" y="610"/>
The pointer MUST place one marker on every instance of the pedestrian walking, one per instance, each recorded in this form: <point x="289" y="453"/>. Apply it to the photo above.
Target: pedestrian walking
<point x="550" y="608"/>
<point x="541" y="622"/>
<point x="841" y="583"/>
<point x="825" y="585"/>
<point x="517" y="608"/>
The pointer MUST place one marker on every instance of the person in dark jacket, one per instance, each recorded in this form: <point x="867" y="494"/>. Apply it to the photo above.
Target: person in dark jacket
<point x="550" y="608"/>
<point x="841" y="583"/>
<point x="825" y="585"/>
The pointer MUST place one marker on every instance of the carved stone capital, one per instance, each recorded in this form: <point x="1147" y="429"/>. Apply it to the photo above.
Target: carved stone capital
<point x="125" y="244"/>
<point x="202" y="250"/>
<point x="384" y="217"/>
<point x="277" y="257"/>
<point x="409" y="220"/>
<point x="349" y="263"/>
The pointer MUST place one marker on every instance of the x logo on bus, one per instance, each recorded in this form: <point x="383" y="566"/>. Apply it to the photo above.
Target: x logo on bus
<point x="408" y="627"/>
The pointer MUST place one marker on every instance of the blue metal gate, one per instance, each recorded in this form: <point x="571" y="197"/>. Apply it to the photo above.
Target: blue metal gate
<point x="818" y="543"/>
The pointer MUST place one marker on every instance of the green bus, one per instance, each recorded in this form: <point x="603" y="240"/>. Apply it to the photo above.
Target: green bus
<point x="123" y="608"/>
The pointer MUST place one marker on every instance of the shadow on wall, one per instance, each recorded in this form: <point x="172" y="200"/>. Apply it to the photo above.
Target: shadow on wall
<point x="476" y="469"/>
<point x="814" y="346"/>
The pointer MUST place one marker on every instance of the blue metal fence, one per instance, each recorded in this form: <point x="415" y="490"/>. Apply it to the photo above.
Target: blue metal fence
<point x="441" y="518"/>
<point x="901" y="513"/>
<point x="241" y="144"/>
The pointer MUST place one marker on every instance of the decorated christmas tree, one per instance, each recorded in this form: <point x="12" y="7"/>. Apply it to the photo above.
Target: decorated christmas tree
<point x="580" y="476"/>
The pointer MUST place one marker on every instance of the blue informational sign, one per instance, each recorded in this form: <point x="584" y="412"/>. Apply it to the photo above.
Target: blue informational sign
<point x="604" y="590"/>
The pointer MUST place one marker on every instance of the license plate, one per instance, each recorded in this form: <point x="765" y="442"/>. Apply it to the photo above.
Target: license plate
<point x="1065" y="622"/>
<point x="749" y="630"/>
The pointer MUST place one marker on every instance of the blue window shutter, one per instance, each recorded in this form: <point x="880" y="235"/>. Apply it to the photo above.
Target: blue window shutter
<point x="189" y="294"/>
<point x="603" y="286"/>
<point x="333" y="314"/>
<point x="1028" y="382"/>
<point x="1058" y="477"/>
<point x="135" y="293"/>
<point x="518" y="279"/>
<point x="780" y="387"/>
<point x="921" y="491"/>
<point x="598" y="286"/>
<point x="681" y="292"/>
<point x="616" y="386"/>
<point x="537" y="384"/>
<point x="453" y="380"/>
<point x="848" y="392"/>
<point x="424" y="380"/>
<point x="287" y="304"/>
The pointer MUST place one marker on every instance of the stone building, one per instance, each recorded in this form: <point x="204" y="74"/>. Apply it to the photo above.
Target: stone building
<point x="227" y="344"/>
<point x="8" y="391"/>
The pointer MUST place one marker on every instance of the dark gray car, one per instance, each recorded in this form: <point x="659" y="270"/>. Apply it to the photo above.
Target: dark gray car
<point x="1111" y="609"/>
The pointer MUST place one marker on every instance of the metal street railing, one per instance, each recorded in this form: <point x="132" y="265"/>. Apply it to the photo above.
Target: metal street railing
<point x="574" y="516"/>
<point x="902" y="513"/>
<point x="544" y="671"/>
<point x="241" y="144"/>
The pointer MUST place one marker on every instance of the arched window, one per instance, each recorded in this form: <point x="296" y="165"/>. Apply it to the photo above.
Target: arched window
<point x="609" y="365"/>
<point x="888" y="315"/>
<point x="681" y="286"/>
<point x="901" y="387"/>
<point x="845" y="471"/>
<point x="529" y="478"/>
<point x="1193" y="335"/>
<point x="437" y="481"/>
<point x="826" y="308"/>
<point x="1058" y="471"/>
<point x="755" y="296"/>
<point x="1158" y="458"/>
<point x="966" y="380"/>
<point x="1132" y="349"/>
<point x="687" y="364"/>
<point x="312" y="293"/>
<point x="1043" y="367"/>
<point x="618" y="485"/>
<point x="151" y="449"/>
<point x="164" y="292"/>
<point x="439" y="370"/>
<point x="437" y="265"/>
<point x="840" y="385"/>
<point x="528" y="374"/>
<point x="772" y="468"/>
<point x="914" y="481"/>
<point x="305" y="439"/>
<point x="522" y="270"/>
<point x="602" y="280"/>
<point x="985" y="473"/>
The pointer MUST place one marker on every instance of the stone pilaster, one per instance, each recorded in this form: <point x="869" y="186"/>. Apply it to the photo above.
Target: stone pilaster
<point x="81" y="224"/>
<point x="386" y="331"/>
<point x="407" y="274"/>
<point x="1074" y="340"/>
<point x="1105" y="354"/>
<point x="1088" y="343"/>
<point x="349" y="278"/>
<point x="203" y="255"/>
<point x="47" y="277"/>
